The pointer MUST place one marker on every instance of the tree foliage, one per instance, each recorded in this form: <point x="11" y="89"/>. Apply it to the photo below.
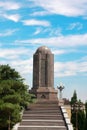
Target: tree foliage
<point x="85" y="126"/>
<point x="13" y="96"/>
<point x="74" y="98"/>
<point x="78" y="115"/>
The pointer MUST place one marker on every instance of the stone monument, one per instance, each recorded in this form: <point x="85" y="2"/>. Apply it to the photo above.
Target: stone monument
<point x="43" y="74"/>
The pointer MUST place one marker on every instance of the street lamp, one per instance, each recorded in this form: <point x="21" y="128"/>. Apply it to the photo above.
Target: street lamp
<point x="61" y="87"/>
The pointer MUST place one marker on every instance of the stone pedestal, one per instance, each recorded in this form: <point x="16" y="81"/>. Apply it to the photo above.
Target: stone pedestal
<point x="43" y="93"/>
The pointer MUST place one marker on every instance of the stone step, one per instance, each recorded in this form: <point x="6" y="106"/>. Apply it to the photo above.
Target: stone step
<point x="44" y="109"/>
<point x="48" y="110"/>
<point x="44" y="117"/>
<point x="44" y="105"/>
<point x="42" y="112"/>
<point x="40" y="107"/>
<point x="42" y="128"/>
<point x="53" y="107"/>
<point x="47" y="102"/>
<point x="43" y="122"/>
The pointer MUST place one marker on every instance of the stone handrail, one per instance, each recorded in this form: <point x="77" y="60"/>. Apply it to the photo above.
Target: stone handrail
<point x="66" y="118"/>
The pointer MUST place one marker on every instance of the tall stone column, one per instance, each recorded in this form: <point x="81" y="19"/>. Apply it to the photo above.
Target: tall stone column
<point x="43" y="74"/>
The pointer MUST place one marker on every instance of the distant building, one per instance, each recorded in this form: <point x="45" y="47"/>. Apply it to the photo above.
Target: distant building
<point x="66" y="101"/>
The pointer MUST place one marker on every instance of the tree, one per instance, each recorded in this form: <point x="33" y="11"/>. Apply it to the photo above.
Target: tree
<point x="13" y="97"/>
<point x="85" y="126"/>
<point x="74" y="98"/>
<point x="73" y="101"/>
<point x="77" y="114"/>
<point x="81" y="119"/>
<point x="6" y="72"/>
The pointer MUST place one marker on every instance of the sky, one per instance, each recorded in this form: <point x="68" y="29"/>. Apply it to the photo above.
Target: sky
<point x="61" y="25"/>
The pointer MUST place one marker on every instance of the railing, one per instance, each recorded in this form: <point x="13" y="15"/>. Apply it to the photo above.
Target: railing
<point x="66" y="118"/>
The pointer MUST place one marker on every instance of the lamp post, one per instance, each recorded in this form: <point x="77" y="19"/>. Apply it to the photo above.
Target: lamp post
<point x="61" y="87"/>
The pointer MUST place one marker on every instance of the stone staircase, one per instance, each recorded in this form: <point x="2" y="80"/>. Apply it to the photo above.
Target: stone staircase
<point x="44" y="115"/>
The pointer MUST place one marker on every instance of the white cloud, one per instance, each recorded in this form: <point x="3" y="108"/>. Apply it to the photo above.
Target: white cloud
<point x="34" y="22"/>
<point x="9" y="5"/>
<point x="76" y="25"/>
<point x="84" y="58"/>
<point x="83" y="67"/>
<point x="61" y="41"/>
<point x="12" y="17"/>
<point x="23" y="66"/>
<point x="53" y="31"/>
<point x="8" y="32"/>
<point x="65" y="51"/>
<point x="49" y="30"/>
<point x="40" y="13"/>
<point x="19" y="58"/>
<point x="59" y="52"/>
<point x="6" y="7"/>
<point x="63" y="69"/>
<point x="14" y="53"/>
<point x="63" y="7"/>
<point x="38" y="30"/>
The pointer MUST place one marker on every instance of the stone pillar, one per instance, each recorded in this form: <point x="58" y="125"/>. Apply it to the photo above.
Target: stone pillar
<point x="43" y="74"/>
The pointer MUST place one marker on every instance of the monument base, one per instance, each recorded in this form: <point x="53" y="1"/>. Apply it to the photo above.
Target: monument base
<point x="45" y="93"/>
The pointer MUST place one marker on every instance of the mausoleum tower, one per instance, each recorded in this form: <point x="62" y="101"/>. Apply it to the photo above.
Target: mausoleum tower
<point x="43" y="68"/>
<point x="43" y="74"/>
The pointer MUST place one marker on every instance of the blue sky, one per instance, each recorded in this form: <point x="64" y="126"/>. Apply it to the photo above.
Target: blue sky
<point x="61" y="25"/>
